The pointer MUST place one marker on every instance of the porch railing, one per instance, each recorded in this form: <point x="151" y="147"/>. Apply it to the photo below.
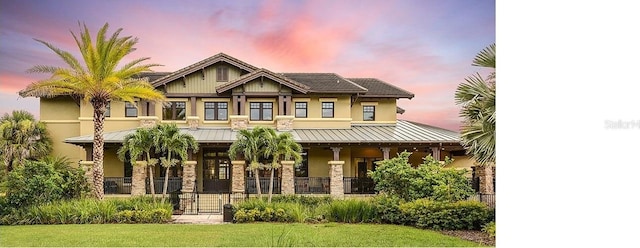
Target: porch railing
<point x="356" y="185"/>
<point x="250" y="185"/>
<point x="174" y="184"/>
<point x="117" y="185"/>
<point x="312" y="185"/>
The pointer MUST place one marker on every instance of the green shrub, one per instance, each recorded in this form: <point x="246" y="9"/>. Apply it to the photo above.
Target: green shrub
<point x="352" y="211"/>
<point x="304" y="200"/>
<point x="38" y="182"/>
<point x="462" y="215"/>
<point x="388" y="209"/>
<point x="430" y="179"/>
<point x="285" y="211"/>
<point x="91" y="211"/>
<point x="490" y="228"/>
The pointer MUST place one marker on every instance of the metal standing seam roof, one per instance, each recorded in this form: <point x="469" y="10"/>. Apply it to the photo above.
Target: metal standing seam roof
<point x="402" y="132"/>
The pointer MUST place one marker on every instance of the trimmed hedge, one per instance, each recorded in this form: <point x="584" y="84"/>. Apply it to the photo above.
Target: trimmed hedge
<point x="462" y="215"/>
<point x="91" y="211"/>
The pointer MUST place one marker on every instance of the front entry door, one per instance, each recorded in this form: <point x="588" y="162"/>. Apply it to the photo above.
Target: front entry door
<point x="216" y="172"/>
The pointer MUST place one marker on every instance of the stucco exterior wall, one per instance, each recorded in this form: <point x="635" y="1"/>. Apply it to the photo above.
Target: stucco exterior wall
<point x="385" y="110"/>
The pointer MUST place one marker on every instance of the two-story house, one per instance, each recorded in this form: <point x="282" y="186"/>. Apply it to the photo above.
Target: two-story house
<point x="344" y="124"/>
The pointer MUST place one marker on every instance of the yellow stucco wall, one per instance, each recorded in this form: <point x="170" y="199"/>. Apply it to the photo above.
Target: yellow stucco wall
<point x="113" y="167"/>
<point x="60" y="115"/>
<point x="319" y="158"/>
<point x="341" y="112"/>
<point x="385" y="110"/>
<point x="59" y="108"/>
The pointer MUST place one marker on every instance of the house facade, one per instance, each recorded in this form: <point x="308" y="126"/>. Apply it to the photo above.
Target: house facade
<point x="344" y="124"/>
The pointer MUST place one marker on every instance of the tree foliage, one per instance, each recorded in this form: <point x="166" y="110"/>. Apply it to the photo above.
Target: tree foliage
<point x="141" y="143"/>
<point x="170" y="141"/>
<point x="396" y="177"/>
<point x="22" y="138"/>
<point x="96" y="80"/>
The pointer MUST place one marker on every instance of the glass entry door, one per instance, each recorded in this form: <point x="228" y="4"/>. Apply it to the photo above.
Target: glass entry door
<point x="216" y="172"/>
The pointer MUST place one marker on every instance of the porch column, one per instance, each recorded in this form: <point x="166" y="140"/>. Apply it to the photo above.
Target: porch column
<point x="336" y="174"/>
<point x="281" y="105"/>
<point x="435" y="152"/>
<point x="385" y="152"/>
<point x="288" y="182"/>
<point x="237" y="177"/>
<point x="189" y="176"/>
<point x="138" y="184"/>
<point x="87" y="167"/>
<point x="485" y="173"/>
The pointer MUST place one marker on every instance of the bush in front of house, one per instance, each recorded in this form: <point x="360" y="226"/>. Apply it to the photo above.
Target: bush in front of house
<point x="287" y="211"/>
<point x="461" y="215"/>
<point x="304" y="200"/>
<point x="40" y="182"/>
<point x="388" y="209"/>
<point x="490" y="228"/>
<point x="91" y="211"/>
<point x="352" y="211"/>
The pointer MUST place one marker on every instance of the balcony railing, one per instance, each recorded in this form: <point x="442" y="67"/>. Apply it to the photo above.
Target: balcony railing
<point x="117" y="185"/>
<point x="312" y="185"/>
<point x="250" y="185"/>
<point x="174" y="184"/>
<point x="356" y="185"/>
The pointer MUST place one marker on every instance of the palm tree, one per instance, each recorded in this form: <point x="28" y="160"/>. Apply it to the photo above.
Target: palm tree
<point x="22" y="138"/>
<point x="140" y="143"/>
<point x="96" y="81"/>
<point x="478" y="99"/>
<point x="280" y="147"/>
<point x="170" y="140"/>
<point x="251" y="144"/>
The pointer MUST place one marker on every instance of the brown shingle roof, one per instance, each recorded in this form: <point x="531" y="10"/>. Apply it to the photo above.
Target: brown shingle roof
<point x="326" y="82"/>
<point x="379" y="88"/>
<point x="263" y="73"/>
<point x="220" y="57"/>
<point x="153" y="76"/>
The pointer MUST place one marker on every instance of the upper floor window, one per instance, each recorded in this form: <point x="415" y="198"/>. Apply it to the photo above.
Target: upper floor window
<point x="327" y="110"/>
<point x="215" y="111"/>
<point x="261" y="111"/>
<point x="130" y="110"/>
<point x="368" y="113"/>
<point x="222" y="74"/>
<point x="107" y="113"/>
<point x="174" y="111"/>
<point x="301" y="110"/>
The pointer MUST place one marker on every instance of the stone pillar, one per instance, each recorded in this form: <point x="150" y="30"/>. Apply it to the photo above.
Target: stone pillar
<point x="239" y="122"/>
<point x="87" y="167"/>
<point x="148" y="121"/>
<point x="237" y="177"/>
<point x="288" y="181"/>
<point x="485" y="173"/>
<point x="385" y="152"/>
<point x="284" y="122"/>
<point x="193" y="122"/>
<point x="337" y="177"/>
<point x="138" y="182"/>
<point x="189" y="176"/>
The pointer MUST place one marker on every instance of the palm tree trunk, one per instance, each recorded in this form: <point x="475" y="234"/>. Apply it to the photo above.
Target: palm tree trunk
<point x="257" y="177"/>
<point x="151" y="183"/>
<point x="166" y="179"/>
<point x="99" y="107"/>
<point x="271" y="186"/>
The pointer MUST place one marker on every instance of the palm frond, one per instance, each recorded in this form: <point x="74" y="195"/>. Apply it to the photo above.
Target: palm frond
<point x="486" y="57"/>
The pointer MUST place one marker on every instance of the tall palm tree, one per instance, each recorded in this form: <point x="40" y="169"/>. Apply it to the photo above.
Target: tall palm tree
<point x="170" y="140"/>
<point x="478" y="99"/>
<point x="280" y="147"/>
<point x="251" y="144"/>
<point x="141" y="142"/>
<point x="22" y="138"/>
<point x="96" y="81"/>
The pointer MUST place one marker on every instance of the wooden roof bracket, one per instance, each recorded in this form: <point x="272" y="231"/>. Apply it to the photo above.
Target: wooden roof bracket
<point x="354" y="99"/>
<point x="184" y="81"/>
<point x="202" y="71"/>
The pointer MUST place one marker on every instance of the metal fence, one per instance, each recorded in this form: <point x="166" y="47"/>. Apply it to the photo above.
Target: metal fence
<point x="250" y="185"/>
<point x="312" y="185"/>
<point x="489" y="199"/>
<point x="355" y="185"/>
<point x="174" y="184"/>
<point x="196" y="203"/>
<point x="117" y="185"/>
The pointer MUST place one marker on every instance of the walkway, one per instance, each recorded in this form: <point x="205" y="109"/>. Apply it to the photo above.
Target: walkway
<point x="197" y="219"/>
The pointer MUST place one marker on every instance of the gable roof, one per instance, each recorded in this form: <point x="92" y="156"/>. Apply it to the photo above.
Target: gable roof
<point x="379" y="88"/>
<point x="326" y="82"/>
<point x="220" y="57"/>
<point x="153" y="76"/>
<point x="279" y="78"/>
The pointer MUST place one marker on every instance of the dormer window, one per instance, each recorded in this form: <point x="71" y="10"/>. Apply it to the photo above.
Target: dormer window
<point x="222" y="74"/>
<point x="369" y="113"/>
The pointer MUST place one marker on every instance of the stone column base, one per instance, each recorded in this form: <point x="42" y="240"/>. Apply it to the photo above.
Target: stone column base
<point x="87" y="167"/>
<point x="138" y="184"/>
<point x="288" y="182"/>
<point x="237" y="176"/>
<point x="189" y="176"/>
<point x="337" y="177"/>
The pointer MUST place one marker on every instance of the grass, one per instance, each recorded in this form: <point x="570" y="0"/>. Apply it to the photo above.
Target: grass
<point x="255" y="234"/>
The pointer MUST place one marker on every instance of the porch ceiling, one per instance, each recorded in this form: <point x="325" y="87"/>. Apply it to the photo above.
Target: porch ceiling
<point x="403" y="132"/>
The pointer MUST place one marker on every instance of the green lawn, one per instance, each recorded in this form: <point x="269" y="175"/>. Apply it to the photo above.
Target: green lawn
<point x="258" y="234"/>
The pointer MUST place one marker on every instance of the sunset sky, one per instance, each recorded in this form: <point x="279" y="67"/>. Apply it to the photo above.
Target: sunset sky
<point x="425" y="47"/>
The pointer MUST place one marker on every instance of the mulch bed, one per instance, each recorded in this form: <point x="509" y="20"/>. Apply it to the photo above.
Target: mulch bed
<point x="475" y="236"/>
